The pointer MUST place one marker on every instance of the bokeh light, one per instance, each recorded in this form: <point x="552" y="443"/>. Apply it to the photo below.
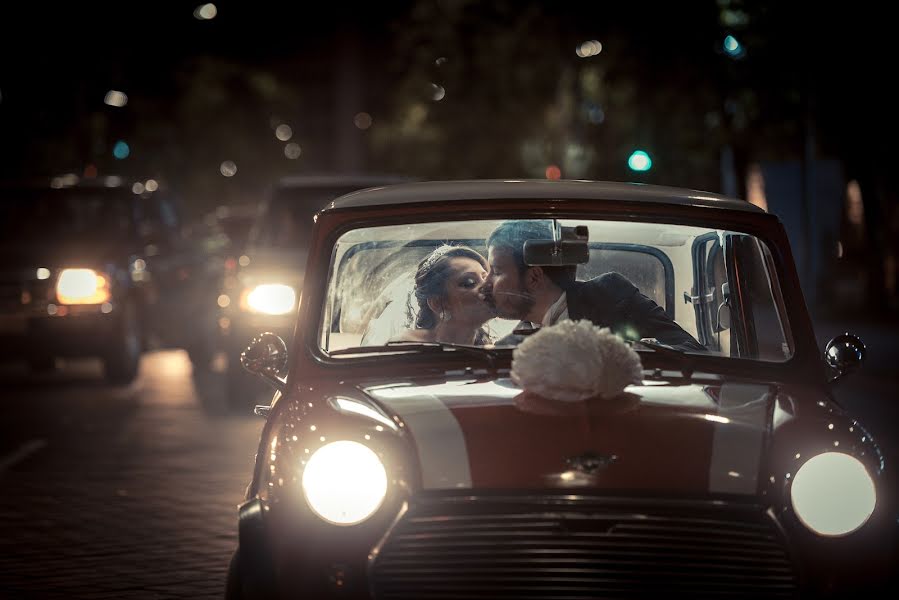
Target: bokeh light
<point x="205" y="12"/>
<point x="121" y="150"/>
<point x="362" y="120"/>
<point x="588" y="49"/>
<point x="115" y="98"/>
<point x="228" y="168"/>
<point x="733" y="47"/>
<point x="292" y="150"/>
<point x="283" y="132"/>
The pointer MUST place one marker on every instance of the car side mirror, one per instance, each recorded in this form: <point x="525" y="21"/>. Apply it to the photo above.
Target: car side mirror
<point x="844" y="354"/>
<point x="266" y="356"/>
<point x="569" y="248"/>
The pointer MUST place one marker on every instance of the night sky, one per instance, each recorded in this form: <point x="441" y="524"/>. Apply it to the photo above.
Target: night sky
<point x="810" y="70"/>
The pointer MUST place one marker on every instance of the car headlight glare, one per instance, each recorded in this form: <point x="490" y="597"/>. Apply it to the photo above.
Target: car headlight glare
<point x="832" y="494"/>
<point x="82" y="286"/>
<point x="271" y="299"/>
<point x="344" y="482"/>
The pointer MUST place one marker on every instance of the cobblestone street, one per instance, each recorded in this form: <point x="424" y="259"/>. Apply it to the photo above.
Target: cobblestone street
<point x="119" y="492"/>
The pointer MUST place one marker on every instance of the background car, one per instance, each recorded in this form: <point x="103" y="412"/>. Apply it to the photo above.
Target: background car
<point x="388" y="471"/>
<point x="261" y="292"/>
<point x="220" y="238"/>
<point x="95" y="268"/>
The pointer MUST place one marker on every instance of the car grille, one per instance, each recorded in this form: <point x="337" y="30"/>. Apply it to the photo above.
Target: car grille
<point x="576" y="550"/>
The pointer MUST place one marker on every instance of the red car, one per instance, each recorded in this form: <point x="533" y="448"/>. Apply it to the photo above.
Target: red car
<point x="536" y="389"/>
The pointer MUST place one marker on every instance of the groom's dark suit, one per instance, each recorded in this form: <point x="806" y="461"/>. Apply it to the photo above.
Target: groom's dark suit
<point x="612" y="301"/>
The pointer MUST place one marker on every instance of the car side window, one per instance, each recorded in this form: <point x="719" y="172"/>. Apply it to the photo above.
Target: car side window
<point x="645" y="267"/>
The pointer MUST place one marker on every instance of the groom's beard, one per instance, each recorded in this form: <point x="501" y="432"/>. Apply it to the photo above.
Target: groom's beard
<point x="513" y="305"/>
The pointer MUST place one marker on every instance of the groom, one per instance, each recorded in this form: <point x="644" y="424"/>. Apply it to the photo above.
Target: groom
<point x="546" y="295"/>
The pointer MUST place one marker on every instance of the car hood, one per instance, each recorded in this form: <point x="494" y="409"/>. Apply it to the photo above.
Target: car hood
<point x="662" y="436"/>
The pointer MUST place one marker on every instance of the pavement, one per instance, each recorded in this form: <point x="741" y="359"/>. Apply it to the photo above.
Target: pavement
<point x="119" y="492"/>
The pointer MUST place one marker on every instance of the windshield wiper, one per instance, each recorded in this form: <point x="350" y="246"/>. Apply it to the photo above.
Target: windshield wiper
<point x="684" y="361"/>
<point x="489" y="353"/>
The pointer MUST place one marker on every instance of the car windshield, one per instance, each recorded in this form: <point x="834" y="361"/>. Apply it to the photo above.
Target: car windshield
<point x="696" y="289"/>
<point x="71" y="212"/>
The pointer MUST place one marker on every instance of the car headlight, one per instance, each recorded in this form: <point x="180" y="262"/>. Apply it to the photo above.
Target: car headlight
<point x="833" y="494"/>
<point x="344" y="482"/>
<point x="82" y="286"/>
<point x="270" y="299"/>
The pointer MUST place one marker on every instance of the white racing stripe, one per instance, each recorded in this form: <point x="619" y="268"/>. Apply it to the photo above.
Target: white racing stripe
<point x="738" y="438"/>
<point x="441" y="443"/>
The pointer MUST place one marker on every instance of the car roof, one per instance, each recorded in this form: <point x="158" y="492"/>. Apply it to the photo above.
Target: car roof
<point x="512" y="190"/>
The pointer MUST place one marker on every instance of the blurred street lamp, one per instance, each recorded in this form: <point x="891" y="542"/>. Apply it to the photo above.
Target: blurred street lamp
<point x="205" y="12"/>
<point x="115" y="98"/>
<point x="639" y="161"/>
<point x="152" y="185"/>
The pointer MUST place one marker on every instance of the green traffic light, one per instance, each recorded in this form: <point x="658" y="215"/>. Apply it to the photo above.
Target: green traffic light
<point x="639" y="161"/>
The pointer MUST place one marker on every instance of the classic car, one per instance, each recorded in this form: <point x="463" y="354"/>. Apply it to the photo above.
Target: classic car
<point x="259" y="290"/>
<point x="390" y="468"/>
<point x="96" y="268"/>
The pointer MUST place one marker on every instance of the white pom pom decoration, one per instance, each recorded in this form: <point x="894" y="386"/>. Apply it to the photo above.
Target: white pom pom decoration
<point x="574" y="361"/>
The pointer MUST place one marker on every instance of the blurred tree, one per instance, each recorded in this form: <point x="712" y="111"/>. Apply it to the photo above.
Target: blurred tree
<point x="500" y="91"/>
<point x="220" y="111"/>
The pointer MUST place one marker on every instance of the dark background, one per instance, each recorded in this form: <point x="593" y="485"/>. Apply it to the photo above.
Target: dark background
<point x="131" y="492"/>
<point x="460" y="89"/>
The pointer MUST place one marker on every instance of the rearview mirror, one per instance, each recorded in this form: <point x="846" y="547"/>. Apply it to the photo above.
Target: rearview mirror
<point x="569" y="248"/>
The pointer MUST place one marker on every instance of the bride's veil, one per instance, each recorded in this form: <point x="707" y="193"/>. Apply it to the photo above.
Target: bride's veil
<point x="394" y="310"/>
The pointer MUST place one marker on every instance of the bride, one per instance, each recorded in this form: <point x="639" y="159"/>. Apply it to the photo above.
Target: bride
<point x="447" y="291"/>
